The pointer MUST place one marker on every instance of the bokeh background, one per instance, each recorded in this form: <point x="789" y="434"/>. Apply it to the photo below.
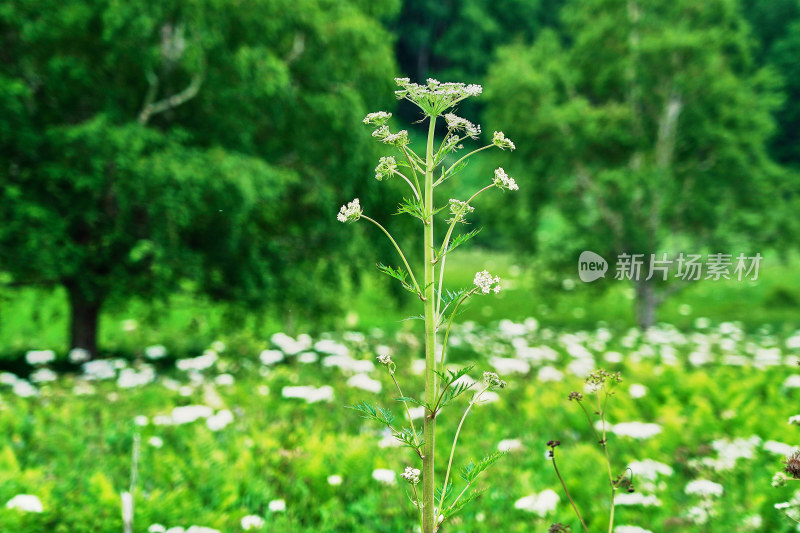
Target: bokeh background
<point x="171" y="172"/>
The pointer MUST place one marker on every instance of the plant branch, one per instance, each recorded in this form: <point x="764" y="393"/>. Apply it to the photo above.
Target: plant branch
<point x="402" y="255"/>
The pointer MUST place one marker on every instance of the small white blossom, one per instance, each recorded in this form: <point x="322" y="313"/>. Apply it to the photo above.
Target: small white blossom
<point x="455" y="122"/>
<point x="540" y="504"/>
<point x="40" y="357"/>
<point x="386" y="166"/>
<point x="411" y="475"/>
<point x="155" y="442"/>
<point x="25" y="502"/>
<point x="435" y="97"/>
<point x="459" y="210"/>
<point x="492" y="380"/>
<point x="484" y="281"/>
<point x="277" y="506"/>
<point x="155" y="352"/>
<point x="350" y="212"/>
<point x="78" y="355"/>
<point x="504" y="181"/>
<point x="252" y="522"/>
<point x="378" y="118"/>
<point x="703" y="488"/>
<point x="156" y="528"/>
<point x="385" y="359"/>
<point x="335" y="480"/>
<point x="384" y="476"/>
<point x="499" y="140"/>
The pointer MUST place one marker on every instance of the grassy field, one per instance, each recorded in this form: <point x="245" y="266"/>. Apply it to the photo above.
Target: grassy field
<point x="225" y="432"/>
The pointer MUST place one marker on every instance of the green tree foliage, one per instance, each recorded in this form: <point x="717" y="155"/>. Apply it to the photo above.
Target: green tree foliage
<point x="645" y="125"/>
<point x="144" y="143"/>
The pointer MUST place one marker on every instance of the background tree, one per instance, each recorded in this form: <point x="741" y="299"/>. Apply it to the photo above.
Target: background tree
<point x="149" y="142"/>
<point x="647" y="125"/>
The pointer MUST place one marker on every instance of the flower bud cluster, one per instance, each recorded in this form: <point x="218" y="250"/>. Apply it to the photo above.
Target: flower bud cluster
<point x="460" y="210"/>
<point x="484" y="281"/>
<point x="499" y="139"/>
<point x="504" y="181"/>
<point x="386" y="166"/>
<point x="350" y="212"/>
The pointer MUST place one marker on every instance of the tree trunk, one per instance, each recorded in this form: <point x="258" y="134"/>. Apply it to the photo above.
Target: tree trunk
<point x="84" y="315"/>
<point x="646" y="303"/>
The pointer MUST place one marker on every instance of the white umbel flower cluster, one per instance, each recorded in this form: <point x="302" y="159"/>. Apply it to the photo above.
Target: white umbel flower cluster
<point x="435" y="97"/>
<point x="386" y="166"/>
<point x="504" y="181"/>
<point x="350" y="212"/>
<point x="499" y="139"/>
<point x="398" y="139"/>
<point x="484" y="281"/>
<point x="411" y="475"/>
<point x="459" y="210"/>
<point x="379" y="118"/>
<point x="454" y="122"/>
<point x="385" y="359"/>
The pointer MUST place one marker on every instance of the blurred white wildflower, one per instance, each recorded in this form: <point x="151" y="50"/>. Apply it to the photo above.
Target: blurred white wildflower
<point x="25" y="502"/>
<point x="277" y="506"/>
<point x="156" y="528"/>
<point x="141" y="420"/>
<point x="484" y="281"/>
<point x="99" y="369"/>
<point x="129" y="325"/>
<point x="309" y="393"/>
<point x="78" y="355"/>
<point x="190" y="413"/>
<point x="224" y="380"/>
<point x="156" y="351"/>
<point x="24" y="389"/>
<point x="155" y="442"/>
<point x="698" y="514"/>
<point x="40" y="357"/>
<point x="252" y="522"/>
<point x="364" y="382"/>
<point x="290" y="346"/>
<point x="792" y="382"/>
<point x="650" y="469"/>
<point x="7" y="378"/>
<point x="384" y="475"/>
<point x="549" y="373"/>
<point x="504" y="181"/>
<point x="636" y="430"/>
<point x="540" y="504"/>
<point x="201" y="529"/>
<point x="703" y="488"/>
<point x="779" y="448"/>
<point x="637" y="390"/>
<point x="637" y="498"/>
<point x="201" y="362"/>
<point x="630" y="529"/>
<point x="507" y="365"/>
<point x="508" y="445"/>
<point x="347" y="363"/>
<point x="335" y="480"/>
<point x="130" y="378"/>
<point x="43" y="375"/>
<point x="307" y="358"/>
<point x="219" y="420"/>
<point x="270" y="357"/>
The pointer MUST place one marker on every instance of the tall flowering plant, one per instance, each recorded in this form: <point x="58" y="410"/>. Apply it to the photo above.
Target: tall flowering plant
<point x="442" y="387"/>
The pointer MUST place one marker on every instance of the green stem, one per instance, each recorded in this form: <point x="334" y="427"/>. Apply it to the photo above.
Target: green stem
<point x="569" y="497"/>
<point x="440" y="395"/>
<point x="412" y="164"/>
<point x="397" y="247"/>
<point x="446" y="241"/>
<point x="453" y="448"/>
<point x="416" y="192"/>
<point x="429" y="429"/>
<point x="608" y="459"/>
<point x="405" y="404"/>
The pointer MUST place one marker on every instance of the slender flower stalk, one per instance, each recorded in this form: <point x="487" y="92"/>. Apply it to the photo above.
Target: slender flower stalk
<point x="435" y="99"/>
